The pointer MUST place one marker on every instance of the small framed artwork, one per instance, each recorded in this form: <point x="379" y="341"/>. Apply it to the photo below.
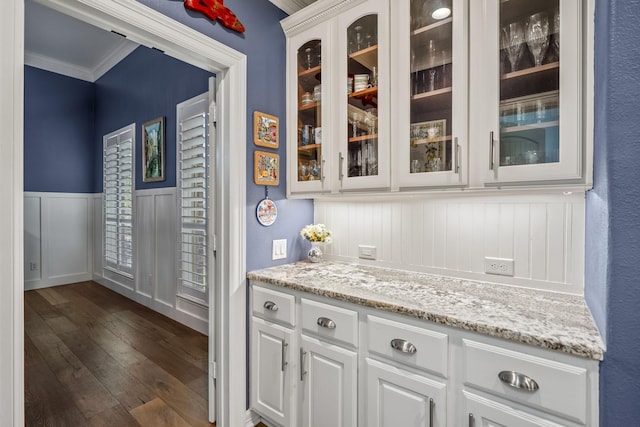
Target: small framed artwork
<point x="153" y="150"/>
<point x="266" y="168"/>
<point x="265" y="130"/>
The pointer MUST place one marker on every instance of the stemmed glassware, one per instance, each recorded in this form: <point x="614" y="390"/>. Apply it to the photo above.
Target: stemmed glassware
<point x="556" y="31"/>
<point x="513" y="43"/>
<point x="538" y="36"/>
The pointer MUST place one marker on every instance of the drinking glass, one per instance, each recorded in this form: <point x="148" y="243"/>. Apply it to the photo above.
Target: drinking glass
<point x="433" y="69"/>
<point x="556" y="31"/>
<point x="513" y="43"/>
<point x="537" y="36"/>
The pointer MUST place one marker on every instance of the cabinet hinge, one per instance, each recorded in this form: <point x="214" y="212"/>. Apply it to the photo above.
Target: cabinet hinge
<point x="213" y="370"/>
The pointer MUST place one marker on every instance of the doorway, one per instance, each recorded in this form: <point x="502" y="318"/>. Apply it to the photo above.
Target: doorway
<point x="153" y="29"/>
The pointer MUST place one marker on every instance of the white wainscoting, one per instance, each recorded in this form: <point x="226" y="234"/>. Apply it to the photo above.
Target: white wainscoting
<point x="155" y="259"/>
<point x="57" y="238"/>
<point x="451" y="235"/>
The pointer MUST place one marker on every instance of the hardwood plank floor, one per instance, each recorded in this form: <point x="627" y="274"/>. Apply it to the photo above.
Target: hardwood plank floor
<point x="95" y="358"/>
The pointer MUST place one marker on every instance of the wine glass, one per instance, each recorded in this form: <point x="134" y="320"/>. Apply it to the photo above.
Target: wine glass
<point x="513" y="43"/>
<point x="556" y="31"/>
<point x="537" y="36"/>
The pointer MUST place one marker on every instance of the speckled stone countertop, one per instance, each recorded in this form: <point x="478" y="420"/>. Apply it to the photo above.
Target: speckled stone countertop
<point x="544" y="319"/>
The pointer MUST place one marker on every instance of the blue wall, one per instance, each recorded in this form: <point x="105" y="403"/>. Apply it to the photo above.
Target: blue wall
<point x="58" y="132"/>
<point x="144" y="86"/>
<point x="264" y="44"/>
<point x="613" y="210"/>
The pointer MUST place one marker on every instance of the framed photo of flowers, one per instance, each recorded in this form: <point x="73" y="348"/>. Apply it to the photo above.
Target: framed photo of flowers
<point x="153" y="150"/>
<point x="265" y="130"/>
<point x="266" y="168"/>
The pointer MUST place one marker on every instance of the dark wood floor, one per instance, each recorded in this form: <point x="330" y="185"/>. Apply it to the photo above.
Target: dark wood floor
<point x="95" y="358"/>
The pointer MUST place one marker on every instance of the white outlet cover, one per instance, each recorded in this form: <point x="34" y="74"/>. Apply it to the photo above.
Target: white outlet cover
<point x="499" y="266"/>
<point x="366" y="252"/>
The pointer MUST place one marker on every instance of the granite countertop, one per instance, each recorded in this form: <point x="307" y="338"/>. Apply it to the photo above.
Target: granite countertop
<point x="545" y="319"/>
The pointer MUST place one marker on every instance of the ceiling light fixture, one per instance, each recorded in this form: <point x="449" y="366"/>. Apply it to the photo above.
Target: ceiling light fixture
<point x="441" y="13"/>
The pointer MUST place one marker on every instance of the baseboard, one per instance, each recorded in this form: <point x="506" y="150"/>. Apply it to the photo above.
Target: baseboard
<point x="30" y="285"/>
<point x="252" y="419"/>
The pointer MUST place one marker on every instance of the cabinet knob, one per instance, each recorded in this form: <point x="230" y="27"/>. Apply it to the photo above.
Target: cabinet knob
<point x="519" y="381"/>
<point x="403" y="345"/>
<point x="325" y="322"/>
<point x="270" y="305"/>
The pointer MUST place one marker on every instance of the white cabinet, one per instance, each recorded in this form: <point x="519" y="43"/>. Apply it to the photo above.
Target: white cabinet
<point x="482" y="412"/>
<point x="316" y="362"/>
<point x="491" y="93"/>
<point x="395" y="397"/>
<point x="329" y="384"/>
<point x="532" y="89"/>
<point x="271" y="371"/>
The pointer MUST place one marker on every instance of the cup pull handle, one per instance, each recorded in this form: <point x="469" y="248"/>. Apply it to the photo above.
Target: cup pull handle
<point x="518" y="380"/>
<point x="271" y="306"/>
<point x="403" y="346"/>
<point x="325" y="322"/>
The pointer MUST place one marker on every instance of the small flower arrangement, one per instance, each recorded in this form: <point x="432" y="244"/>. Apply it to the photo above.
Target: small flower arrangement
<point x="316" y="233"/>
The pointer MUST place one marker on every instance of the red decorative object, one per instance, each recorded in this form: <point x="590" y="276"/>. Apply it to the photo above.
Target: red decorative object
<point x="215" y="9"/>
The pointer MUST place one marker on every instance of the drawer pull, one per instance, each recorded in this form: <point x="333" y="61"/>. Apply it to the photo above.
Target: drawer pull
<point x="517" y="380"/>
<point x="271" y="306"/>
<point x="472" y="420"/>
<point x="403" y="346"/>
<point x="283" y="349"/>
<point x="325" y="322"/>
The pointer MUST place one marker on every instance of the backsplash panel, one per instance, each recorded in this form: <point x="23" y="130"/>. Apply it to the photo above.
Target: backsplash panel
<point x="451" y="235"/>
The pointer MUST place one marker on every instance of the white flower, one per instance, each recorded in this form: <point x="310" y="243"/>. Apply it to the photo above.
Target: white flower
<point x="316" y="233"/>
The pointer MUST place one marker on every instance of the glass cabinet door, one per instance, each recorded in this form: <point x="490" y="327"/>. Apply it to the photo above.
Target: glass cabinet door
<point x="308" y="116"/>
<point x="364" y="154"/>
<point x="537" y="66"/>
<point x="432" y="107"/>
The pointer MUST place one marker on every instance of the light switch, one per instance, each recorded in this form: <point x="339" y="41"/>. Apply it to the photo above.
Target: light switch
<point x="279" y="249"/>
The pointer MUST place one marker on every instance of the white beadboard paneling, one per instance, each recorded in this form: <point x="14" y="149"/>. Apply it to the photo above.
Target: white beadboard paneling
<point x="67" y="228"/>
<point x="452" y="234"/>
<point x="32" y="250"/>
<point x="165" y="213"/>
<point x="97" y="236"/>
<point x="58" y="238"/>
<point x="145" y="244"/>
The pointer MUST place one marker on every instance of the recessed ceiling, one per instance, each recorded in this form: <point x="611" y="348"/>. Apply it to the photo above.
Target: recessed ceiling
<point x="59" y="43"/>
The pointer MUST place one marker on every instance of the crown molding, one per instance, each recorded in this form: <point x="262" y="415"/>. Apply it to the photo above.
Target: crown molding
<point x="59" y="67"/>
<point x="316" y="12"/>
<point x="292" y="6"/>
<point x="113" y="58"/>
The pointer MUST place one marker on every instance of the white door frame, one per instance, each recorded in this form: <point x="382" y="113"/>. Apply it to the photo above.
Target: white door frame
<point x="153" y="29"/>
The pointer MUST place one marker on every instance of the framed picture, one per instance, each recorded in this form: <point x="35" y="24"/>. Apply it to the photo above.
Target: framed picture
<point x="266" y="168"/>
<point x="153" y="150"/>
<point x="428" y="132"/>
<point x="265" y="130"/>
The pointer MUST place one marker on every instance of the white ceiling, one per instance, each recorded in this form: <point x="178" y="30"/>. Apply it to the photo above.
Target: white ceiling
<point x="68" y="46"/>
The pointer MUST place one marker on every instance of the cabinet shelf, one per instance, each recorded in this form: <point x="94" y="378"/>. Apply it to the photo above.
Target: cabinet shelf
<point x="367" y="57"/>
<point x="363" y="138"/>
<point x="308" y="148"/>
<point x="544" y="78"/>
<point x="437" y="97"/>
<point x="432" y="140"/>
<point x="532" y="126"/>
<point x="308" y="79"/>
<point x="310" y="106"/>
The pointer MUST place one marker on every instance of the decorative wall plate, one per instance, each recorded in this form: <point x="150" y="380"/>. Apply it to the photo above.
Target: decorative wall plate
<point x="266" y="212"/>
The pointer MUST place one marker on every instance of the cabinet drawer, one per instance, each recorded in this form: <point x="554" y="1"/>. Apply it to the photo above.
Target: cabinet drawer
<point x="273" y="305"/>
<point x="561" y="388"/>
<point x="328" y="321"/>
<point x="410" y="345"/>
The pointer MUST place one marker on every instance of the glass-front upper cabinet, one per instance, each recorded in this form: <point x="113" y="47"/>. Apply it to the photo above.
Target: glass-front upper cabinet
<point x="363" y="81"/>
<point x="308" y="171"/>
<point x="431" y="101"/>
<point x="536" y="57"/>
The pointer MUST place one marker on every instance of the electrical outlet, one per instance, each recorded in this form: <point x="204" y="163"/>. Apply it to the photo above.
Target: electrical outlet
<point x="33" y="266"/>
<point x="500" y="266"/>
<point x="366" y="252"/>
<point x="279" y="249"/>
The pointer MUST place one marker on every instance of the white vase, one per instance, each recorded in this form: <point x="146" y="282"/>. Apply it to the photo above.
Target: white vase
<point x="315" y="253"/>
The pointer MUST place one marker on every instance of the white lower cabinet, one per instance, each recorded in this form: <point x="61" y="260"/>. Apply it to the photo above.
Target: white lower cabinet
<point x="396" y="397"/>
<point x="488" y="413"/>
<point x="271" y="370"/>
<point x="318" y="362"/>
<point x="329" y="384"/>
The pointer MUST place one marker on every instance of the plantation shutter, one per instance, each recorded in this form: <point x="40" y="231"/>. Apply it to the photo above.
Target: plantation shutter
<point x="118" y="200"/>
<point x="193" y="195"/>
